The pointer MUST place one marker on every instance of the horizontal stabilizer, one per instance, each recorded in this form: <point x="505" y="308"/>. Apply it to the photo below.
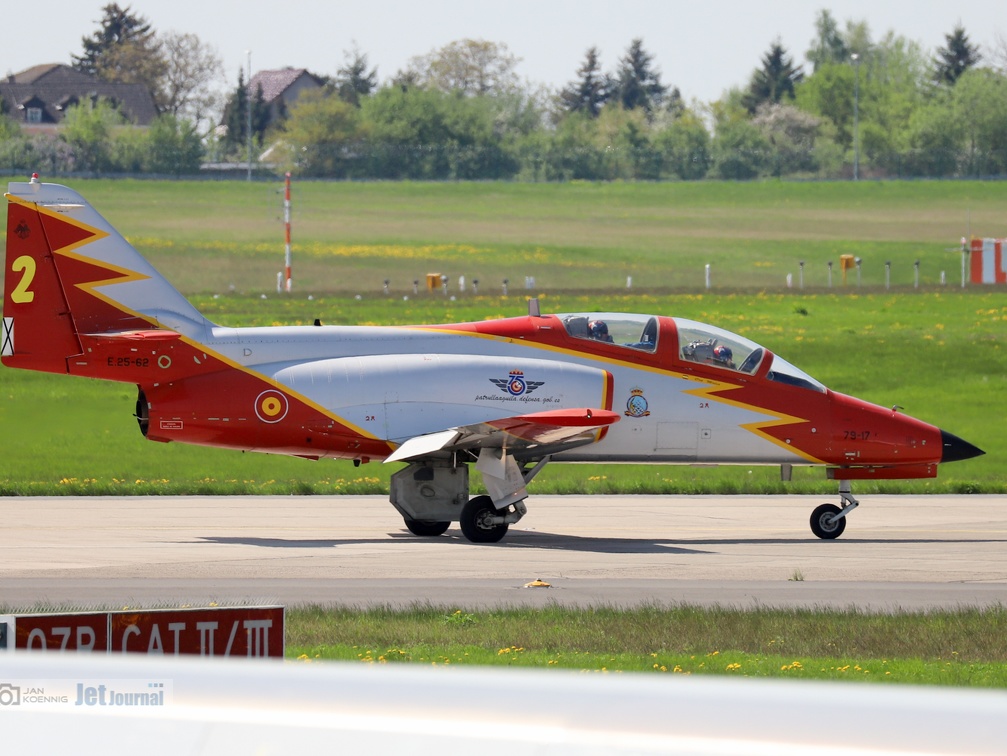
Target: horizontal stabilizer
<point x="152" y="335"/>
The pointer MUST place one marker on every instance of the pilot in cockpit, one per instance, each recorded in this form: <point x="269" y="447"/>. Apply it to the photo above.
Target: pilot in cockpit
<point x="723" y="356"/>
<point x="710" y="353"/>
<point x="599" y="331"/>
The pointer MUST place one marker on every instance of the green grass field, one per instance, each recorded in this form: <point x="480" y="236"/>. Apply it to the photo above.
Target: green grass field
<point x="936" y="351"/>
<point x="350" y="237"/>
<point x="963" y="647"/>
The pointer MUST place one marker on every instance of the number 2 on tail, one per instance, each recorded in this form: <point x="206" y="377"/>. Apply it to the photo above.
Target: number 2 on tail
<point x="22" y="294"/>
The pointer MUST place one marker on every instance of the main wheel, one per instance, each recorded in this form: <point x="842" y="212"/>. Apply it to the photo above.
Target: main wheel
<point x="474" y="521"/>
<point x="426" y="527"/>
<point x="825" y="524"/>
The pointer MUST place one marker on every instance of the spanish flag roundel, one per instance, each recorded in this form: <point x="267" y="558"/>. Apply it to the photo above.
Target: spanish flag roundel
<point x="271" y="406"/>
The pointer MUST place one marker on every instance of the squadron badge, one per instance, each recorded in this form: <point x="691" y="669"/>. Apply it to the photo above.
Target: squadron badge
<point x="516" y="384"/>
<point x="636" y="405"/>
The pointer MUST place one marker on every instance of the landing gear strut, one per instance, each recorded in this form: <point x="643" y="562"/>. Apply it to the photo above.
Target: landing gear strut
<point x="431" y="494"/>
<point x="829" y="521"/>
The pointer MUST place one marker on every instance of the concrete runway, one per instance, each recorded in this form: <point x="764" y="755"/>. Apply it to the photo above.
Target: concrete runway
<point x="910" y="553"/>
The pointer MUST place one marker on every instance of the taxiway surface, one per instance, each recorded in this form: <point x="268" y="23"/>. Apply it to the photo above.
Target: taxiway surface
<point x="897" y="553"/>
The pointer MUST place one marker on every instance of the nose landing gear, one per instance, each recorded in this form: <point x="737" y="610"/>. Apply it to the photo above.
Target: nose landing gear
<point x="829" y="521"/>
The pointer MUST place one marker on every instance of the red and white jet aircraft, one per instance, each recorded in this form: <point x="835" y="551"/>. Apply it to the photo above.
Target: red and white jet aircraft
<point x="505" y="395"/>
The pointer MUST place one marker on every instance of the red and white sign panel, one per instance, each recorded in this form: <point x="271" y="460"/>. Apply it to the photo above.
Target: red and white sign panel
<point x="61" y="632"/>
<point x="244" y="631"/>
<point x="989" y="264"/>
<point x="201" y="632"/>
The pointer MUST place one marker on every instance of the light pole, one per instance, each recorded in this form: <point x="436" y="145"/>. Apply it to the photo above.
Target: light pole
<point x="856" y="117"/>
<point x="248" y="114"/>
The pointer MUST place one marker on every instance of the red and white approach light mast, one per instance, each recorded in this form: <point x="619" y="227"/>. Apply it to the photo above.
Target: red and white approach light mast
<point x="286" y="227"/>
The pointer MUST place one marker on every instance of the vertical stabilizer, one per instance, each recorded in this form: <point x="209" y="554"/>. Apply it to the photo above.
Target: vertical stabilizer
<point x="69" y="274"/>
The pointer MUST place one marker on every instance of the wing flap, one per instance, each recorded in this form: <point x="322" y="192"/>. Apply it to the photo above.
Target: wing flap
<point x="421" y="446"/>
<point x="519" y="432"/>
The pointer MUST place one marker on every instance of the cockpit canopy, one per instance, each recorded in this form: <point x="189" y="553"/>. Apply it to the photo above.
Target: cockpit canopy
<point x="708" y="345"/>
<point x="622" y="329"/>
<point x="697" y="342"/>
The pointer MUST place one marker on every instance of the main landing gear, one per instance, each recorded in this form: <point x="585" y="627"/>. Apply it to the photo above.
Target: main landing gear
<point x="829" y="521"/>
<point x="482" y="522"/>
<point x="432" y="493"/>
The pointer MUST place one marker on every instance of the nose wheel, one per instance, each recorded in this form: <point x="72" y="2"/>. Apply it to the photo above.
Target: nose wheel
<point x="829" y="521"/>
<point x="826" y="522"/>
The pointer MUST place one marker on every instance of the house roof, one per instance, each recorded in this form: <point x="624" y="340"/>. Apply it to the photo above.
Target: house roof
<point x="275" y="83"/>
<point x="50" y="73"/>
<point x="56" y="86"/>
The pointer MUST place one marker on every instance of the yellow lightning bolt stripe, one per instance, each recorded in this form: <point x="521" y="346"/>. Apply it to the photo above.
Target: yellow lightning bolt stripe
<point x="124" y="275"/>
<point x="710" y="389"/>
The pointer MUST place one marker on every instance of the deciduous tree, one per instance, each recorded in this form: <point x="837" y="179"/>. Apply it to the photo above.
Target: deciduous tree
<point x="87" y="128"/>
<point x="468" y="66"/>
<point x="192" y="74"/>
<point x="429" y="134"/>
<point x="684" y="147"/>
<point x="323" y="134"/>
<point x="173" y="147"/>
<point x="980" y="105"/>
<point x="791" y="134"/>
<point x="828" y="46"/>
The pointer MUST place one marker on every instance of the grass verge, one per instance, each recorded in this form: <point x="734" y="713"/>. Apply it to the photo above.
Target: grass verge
<point x="966" y="647"/>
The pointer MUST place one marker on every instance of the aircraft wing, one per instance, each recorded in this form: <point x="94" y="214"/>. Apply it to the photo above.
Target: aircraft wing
<point x="551" y="428"/>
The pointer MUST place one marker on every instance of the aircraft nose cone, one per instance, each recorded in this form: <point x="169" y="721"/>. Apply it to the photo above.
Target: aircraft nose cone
<point x="956" y="449"/>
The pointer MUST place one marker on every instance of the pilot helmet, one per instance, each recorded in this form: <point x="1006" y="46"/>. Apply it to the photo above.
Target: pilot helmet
<point x="597" y="329"/>
<point x="723" y="353"/>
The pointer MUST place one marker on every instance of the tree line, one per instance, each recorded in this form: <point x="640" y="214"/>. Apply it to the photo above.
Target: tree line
<point x="885" y="104"/>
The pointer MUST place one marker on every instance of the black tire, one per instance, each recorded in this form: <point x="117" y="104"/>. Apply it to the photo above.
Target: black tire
<point x="823" y="523"/>
<point x="473" y="521"/>
<point x="426" y="527"/>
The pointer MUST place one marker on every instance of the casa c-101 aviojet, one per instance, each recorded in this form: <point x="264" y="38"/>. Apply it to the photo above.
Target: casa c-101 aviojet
<point x="508" y="395"/>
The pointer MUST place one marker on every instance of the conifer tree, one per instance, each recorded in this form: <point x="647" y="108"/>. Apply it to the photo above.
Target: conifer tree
<point x="589" y="93"/>
<point x="958" y="56"/>
<point x="774" y="80"/>
<point x="353" y="80"/>
<point x="638" y="83"/>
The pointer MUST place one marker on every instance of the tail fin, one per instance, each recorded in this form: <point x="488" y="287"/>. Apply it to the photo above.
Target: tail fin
<point x="69" y="274"/>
